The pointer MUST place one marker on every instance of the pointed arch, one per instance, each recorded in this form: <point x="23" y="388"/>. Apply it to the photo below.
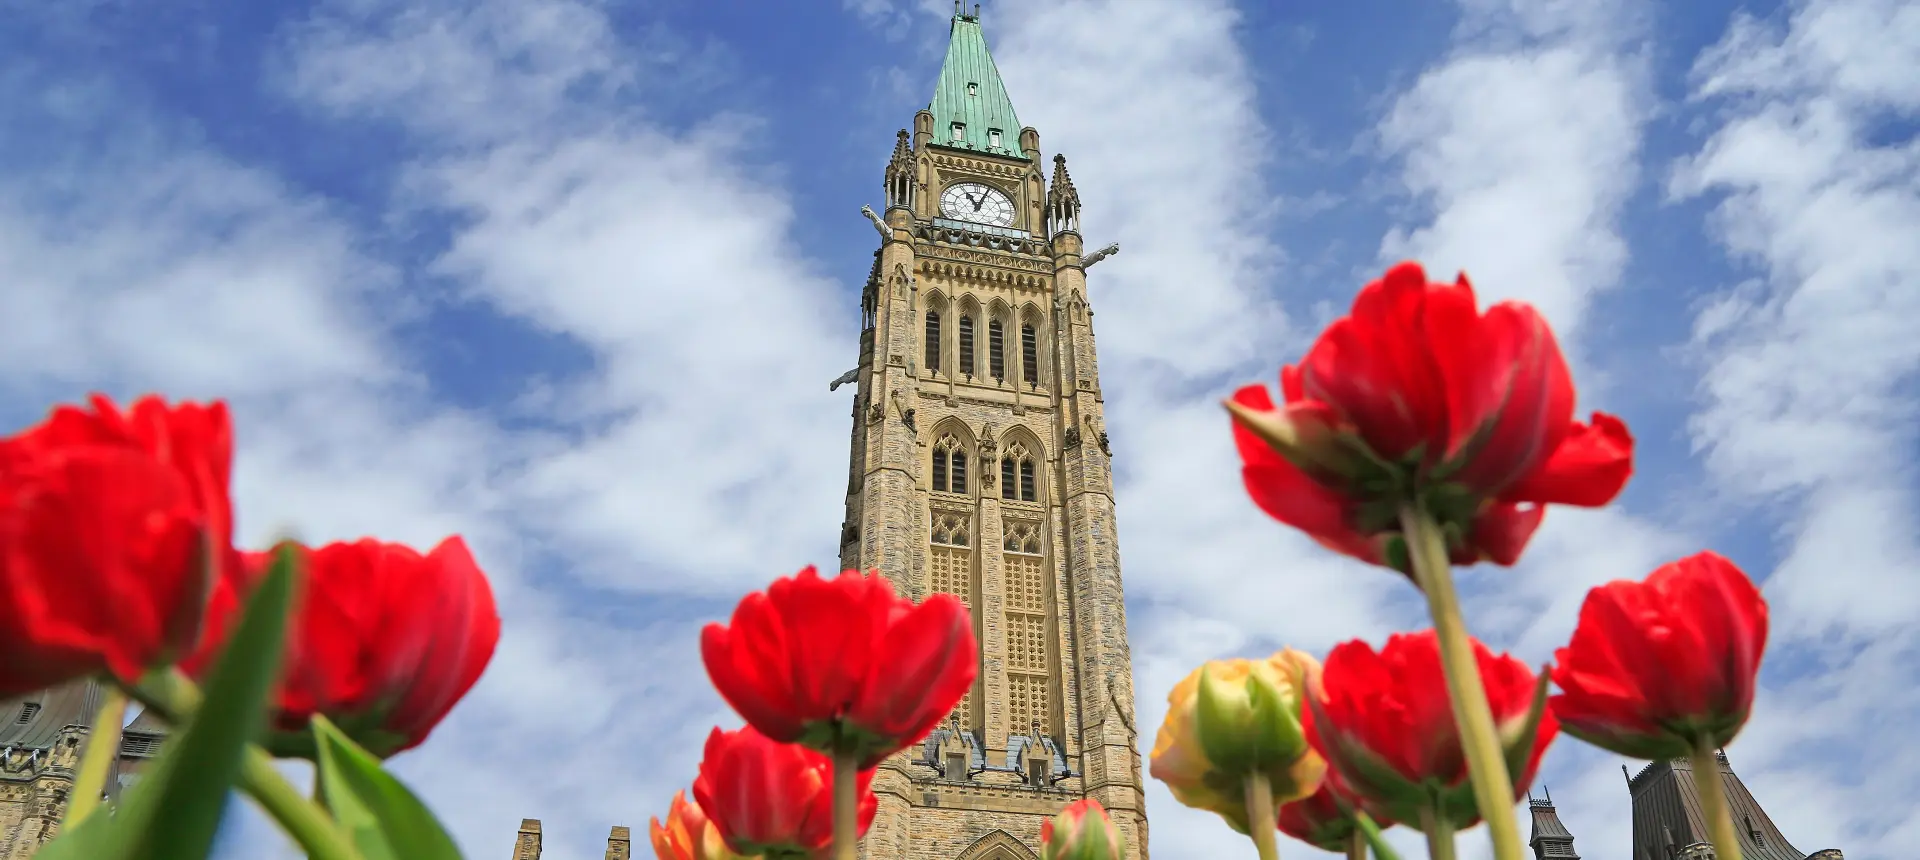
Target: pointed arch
<point x="934" y="324"/>
<point x="1032" y="334"/>
<point x="951" y="449"/>
<point x="968" y="329"/>
<point x="998" y="845"/>
<point x="1023" y="459"/>
<point x="1000" y="339"/>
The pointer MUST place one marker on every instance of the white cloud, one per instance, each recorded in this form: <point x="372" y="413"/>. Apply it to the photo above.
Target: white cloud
<point x="1808" y="398"/>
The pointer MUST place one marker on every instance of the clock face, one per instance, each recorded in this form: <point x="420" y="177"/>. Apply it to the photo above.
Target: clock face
<point x="976" y="203"/>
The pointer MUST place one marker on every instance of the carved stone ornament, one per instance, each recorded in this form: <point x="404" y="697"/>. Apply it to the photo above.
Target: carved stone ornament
<point x="875" y="412"/>
<point x="1104" y="448"/>
<point x="1073" y="437"/>
<point x="879" y="223"/>
<point x="1120" y="699"/>
<point x="907" y="419"/>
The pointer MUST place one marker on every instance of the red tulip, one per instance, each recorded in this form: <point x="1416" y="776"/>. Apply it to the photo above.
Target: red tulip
<point x="1386" y="726"/>
<point x="1658" y="667"/>
<point x="385" y="643"/>
<point x="1417" y="396"/>
<point x="1325" y="819"/>
<point x="768" y="797"/>
<point x="107" y="521"/>
<point x="842" y="665"/>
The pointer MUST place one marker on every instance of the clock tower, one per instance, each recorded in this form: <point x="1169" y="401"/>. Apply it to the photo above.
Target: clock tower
<point x="981" y="468"/>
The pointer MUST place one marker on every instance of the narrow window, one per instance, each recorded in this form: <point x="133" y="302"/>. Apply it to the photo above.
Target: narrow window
<point x="993" y="137"/>
<point x="1029" y="355"/>
<point x="966" y="345"/>
<point x="996" y="354"/>
<point x="940" y="471"/>
<point x="959" y="130"/>
<point x="959" y="471"/>
<point x="1026" y="481"/>
<point x="956" y="766"/>
<point x="973" y="89"/>
<point x="1007" y="486"/>
<point x="27" y="713"/>
<point x="1037" y="772"/>
<point x="933" y="341"/>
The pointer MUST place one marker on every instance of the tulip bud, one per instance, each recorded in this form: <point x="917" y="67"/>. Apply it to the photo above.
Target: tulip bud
<point x="1232" y="719"/>
<point x="1081" y="831"/>
<point x="688" y="835"/>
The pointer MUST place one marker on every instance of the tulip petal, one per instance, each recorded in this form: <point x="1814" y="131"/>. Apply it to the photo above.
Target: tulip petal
<point x="1589" y="468"/>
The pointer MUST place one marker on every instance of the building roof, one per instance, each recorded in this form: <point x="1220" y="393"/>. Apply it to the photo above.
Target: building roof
<point x="34" y="721"/>
<point x="1667" y="808"/>
<point x="971" y="95"/>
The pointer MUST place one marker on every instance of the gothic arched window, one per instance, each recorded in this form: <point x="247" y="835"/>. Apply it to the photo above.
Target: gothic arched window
<point x="1017" y="475"/>
<point x="966" y="344"/>
<point x="1029" y="355"/>
<point x="996" y="351"/>
<point x="949" y="465"/>
<point x="933" y="341"/>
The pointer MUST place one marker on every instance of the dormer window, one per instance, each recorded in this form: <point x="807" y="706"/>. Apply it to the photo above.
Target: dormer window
<point x="959" y="131"/>
<point x="973" y="89"/>
<point x="956" y="769"/>
<point x="993" y="137"/>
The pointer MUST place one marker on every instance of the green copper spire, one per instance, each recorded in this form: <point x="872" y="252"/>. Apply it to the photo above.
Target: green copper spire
<point x="971" y="98"/>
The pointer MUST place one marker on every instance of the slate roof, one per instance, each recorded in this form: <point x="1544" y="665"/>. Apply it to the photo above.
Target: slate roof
<point x="1667" y="809"/>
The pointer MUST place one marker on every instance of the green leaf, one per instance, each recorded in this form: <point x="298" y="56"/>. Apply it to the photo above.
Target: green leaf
<point x="174" y="812"/>
<point x="384" y="819"/>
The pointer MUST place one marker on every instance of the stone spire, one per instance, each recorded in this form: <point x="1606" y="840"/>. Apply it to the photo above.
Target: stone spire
<point x="1063" y="202"/>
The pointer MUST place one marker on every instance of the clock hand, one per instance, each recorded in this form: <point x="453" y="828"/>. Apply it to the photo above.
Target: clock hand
<point x="976" y="203"/>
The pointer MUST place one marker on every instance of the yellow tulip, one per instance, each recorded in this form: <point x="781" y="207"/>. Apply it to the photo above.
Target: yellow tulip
<point x="1231" y="721"/>
<point x="688" y="835"/>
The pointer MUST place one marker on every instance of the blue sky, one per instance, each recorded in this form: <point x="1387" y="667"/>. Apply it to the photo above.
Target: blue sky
<point x="569" y="277"/>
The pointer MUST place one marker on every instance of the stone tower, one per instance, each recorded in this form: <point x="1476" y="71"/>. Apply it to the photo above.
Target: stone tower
<point x="980" y="468"/>
<point x="42" y="737"/>
<point x="1668" y="824"/>
<point x="1550" y="839"/>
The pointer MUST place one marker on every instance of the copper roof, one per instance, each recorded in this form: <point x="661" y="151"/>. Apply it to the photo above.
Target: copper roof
<point x="1668" y="815"/>
<point x="1550" y="838"/>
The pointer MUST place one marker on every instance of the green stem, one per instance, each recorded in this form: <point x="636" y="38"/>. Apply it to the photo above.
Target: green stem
<point x="1486" y="763"/>
<point x="846" y="807"/>
<point x="302" y="820"/>
<point x="1260" y="818"/>
<point x="177" y="699"/>
<point x="1713" y="800"/>
<point x="1439" y="830"/>
<point x="96" y="764"/>
<point x="1370" y="830"/>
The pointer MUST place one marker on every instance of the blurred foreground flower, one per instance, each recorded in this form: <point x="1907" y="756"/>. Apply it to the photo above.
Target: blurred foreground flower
<point x="1416" y="398"/>
<point x="385" y="641"/>
<point x="1325" y="819"/>
<point x="771" y="798"/>
<point x="842" y="665"/>
<point x="1232" y="741"/>
<point x="688" y="835"/>
<point x="1081" y="831"/>
<point x="1387" y="728"/>
<point x="110" y="525"/>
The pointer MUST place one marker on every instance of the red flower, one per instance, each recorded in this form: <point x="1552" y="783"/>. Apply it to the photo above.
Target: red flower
<point x="385" y="643"/>
<point x="1326" y="818"/>
<point x="107" y="520"/>
<point x="1657" y="667"/>
<point x="1386" y="726"/>
<point x="768" y="797"/>
<point x="1417" y="397"/>
<point x="842" y="665"/>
